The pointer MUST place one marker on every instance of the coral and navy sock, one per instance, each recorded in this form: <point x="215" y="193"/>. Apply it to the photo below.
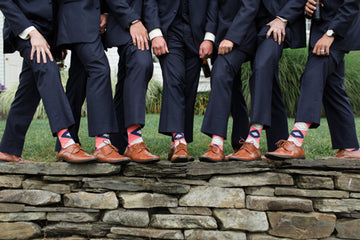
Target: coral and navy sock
<point x="352" y="149"/>
<point x="217" y="141"/>
<point x="65" y="138"/>
<point x="102" y="140"/>
<point x="255" y="134"/>
<point x="298" y="133"/>
<point x="178" y="138"/>
<point x="134" y="135"/>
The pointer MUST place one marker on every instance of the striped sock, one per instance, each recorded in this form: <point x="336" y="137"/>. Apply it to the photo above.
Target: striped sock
<point x="178" y="138"/>
<point x="352" y="149"/>
<point x="298" y="133"/>
<point x="255" y="134"/>
<point x="217" y="141"/>
<point x="102" y="140"/>
<point x="65" y="138"/>
<point x="134" y="135"/>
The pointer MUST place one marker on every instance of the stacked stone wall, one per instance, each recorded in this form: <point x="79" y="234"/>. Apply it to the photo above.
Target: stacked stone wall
<point x="299" y="199"/>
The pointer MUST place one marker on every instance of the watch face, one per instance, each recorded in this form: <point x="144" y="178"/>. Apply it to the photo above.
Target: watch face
<point x="330" y="33"/>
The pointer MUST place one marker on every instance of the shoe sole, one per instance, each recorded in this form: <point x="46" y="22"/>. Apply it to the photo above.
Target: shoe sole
<point x="75" y="162"/>
<point x="277" y="157"/>
<point x="115" y="162"/>
<point x="147" y="161"/>
<point x="205" y="159"/>
<point x="180" y="160"/>
<point x="244" y="160"/>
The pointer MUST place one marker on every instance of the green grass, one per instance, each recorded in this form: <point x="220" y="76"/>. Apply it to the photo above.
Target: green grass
<point x="39" y="144"/>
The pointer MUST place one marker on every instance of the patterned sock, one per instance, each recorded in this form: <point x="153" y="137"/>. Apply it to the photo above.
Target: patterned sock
<point x="178" y="138"/>
<point x="217" y="141"/>
<point x="352" y="149"/>
<point x="298" y="133"/>
<point x="134" y="135"/>
<point x="255" y="134"/>
<point x="102" y="140"/>
<point x="65" y="138"/>
<point x="172" y="143"/>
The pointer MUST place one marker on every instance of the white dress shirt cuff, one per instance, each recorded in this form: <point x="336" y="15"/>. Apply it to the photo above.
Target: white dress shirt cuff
<point x="156" y="32"/>
<point x="209" y="36"/>
<point x="25" y="34"/>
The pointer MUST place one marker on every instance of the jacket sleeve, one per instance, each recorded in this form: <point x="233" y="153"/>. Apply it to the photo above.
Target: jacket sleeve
<point x="292" y="10"/>
<point x="122" y="11"/>
<point x="17" y="20"/>
<point x="243" y="20"/>
<point x="151" y="15"/>
<point x="212" y="17"/>
<point x="344" y="17"/>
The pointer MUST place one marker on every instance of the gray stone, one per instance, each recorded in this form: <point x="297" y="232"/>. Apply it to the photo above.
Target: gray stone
<point x="62" y="178"/>
<point x="19" y="230"/>
<point x="84" y="229"/>
<point x="242" y="219"/>
<point x="310" y="172"/>
<point x="355" y="195"/>
<point x="21" y="217"/>
<point x="301" y="225"/>
<point x="263" y="203"/>
<point x="91" y="200"/>
<point x="149" y="233"/>
<point x="182" y="221"/>
<point x="76" y="217"/>
<point x="131" y="184"/>
<point x="112" y="236"/>
<point x="10" y="207"/>
<point x="40" y="185"/>
<point x="337" y="205"/>
<point x="59" y="209"/>
<point x="348" y="215"/>
<point x="31" y="197"/>
<point x="349" y="182"/>
<point x="63" y="238"/>
<point x="260" y="191"/>
<point x="185" y="181"/>
<point x="327" y="163"/>
<point x="132" y="218"/>
<point x="331" y="238"/>
<point x="349" y="229"/>
<point x="60" y="168"/>
<point x="161" y="169"/>
<point x="214" y="235"/>
<point x="191" y="211"/>
<point x="11" y="181"/>
<point x="310" y="193"/>
<point x="214" y="197"/>
<point x="256" y="179"/>
<point x="261" y="236"/>
<point x="314" y="182"/>
<point x="147" y="200"/>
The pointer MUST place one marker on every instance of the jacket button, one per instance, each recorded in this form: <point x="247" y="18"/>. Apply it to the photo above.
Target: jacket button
<point x="174" y="11"/>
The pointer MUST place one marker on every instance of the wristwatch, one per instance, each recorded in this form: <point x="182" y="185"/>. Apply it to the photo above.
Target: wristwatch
<point x="330" y="33"/>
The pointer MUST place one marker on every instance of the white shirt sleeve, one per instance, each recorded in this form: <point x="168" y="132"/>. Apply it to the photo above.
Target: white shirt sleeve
<point x="25" y="34"/>
<point x="156" y="32"/>
<point x="209" y="36"/>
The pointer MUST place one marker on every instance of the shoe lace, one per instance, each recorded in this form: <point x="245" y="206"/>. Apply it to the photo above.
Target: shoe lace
<point x="245" y="146"/>
<point x="179" y="148"/>
<point x="212" y="148"/>
<point x="140" y="147"/>
<point x="282" y="143"/>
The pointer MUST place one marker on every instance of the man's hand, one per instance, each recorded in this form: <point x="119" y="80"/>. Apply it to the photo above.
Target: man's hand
<point x="40" y="46"/>
<point x="139" y="36"/>
<point x="159" y="46"/>
<point x="277" y="29"/>
<point x="206" y="49"/>
<point x="310" y="7"/>
<point x="225" y="47"/>
<point x="322" y="47"/>
<point x="103" y="22"/>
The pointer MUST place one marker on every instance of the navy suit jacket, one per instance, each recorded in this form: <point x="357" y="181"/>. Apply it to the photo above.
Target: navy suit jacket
<point x="343" y="17"/>
<point x="293" y="11"/>
<point x="21" y="14"/>
<point x="203" y="16"/>
<point x="117" y="29"/>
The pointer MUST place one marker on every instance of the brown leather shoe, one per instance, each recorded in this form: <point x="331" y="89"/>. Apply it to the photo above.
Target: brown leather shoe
<point x="74" y="154"/>
<point x="140" y="153"/>
<point x="247" y="152"/>
<point x="213" y="154"/>
<point x="286" y="150"/>
<point x="4" y="157"/>
<point x="110" y="154"/>
<point x="342" y="153"/>
<point x="171" y="152"/>
<point x="180" y="154"/>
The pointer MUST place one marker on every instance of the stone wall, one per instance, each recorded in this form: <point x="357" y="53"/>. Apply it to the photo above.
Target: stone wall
<point x="300" y="199"/>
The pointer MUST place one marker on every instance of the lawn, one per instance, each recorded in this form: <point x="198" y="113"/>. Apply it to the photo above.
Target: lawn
<point x="39" y="144"/>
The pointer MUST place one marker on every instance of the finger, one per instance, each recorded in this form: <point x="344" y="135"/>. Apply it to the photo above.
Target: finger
<point x="140" y="44"/>
<point x="37" y="55"/>
<point x="147" y="44"/>
<point x="48" y="52"/>
<point x="134" y="40"/>
<point x="283" y="35"/>
<point x="32" y="53"/>
<point x="327" y="51"/>
<point x="166" y="48"/>
<point x="268" y="34"/>
<point x="275" y="36"/>
<point x="43" y="54"/>
<point x="279" y="38"/>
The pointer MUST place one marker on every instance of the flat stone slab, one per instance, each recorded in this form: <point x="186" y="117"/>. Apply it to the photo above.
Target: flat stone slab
<point x="337" y="205"/>
<point x="59" y="168"/>
<point x="214" y="235"/>
<point x="132" y="218"/>
<point x="349" y="229"/>
<point x="41" y="185"/>
<point x="214" y="197"/>
<point x="301" y="225"/>
<point x="262" y="236"/>
<point x="191" y="211"/>
<point x="76" y="217"/>
<point x="242" y="219"/>
<point x="21" y="217"/>
<point x="84" y="229"/>
<point x="348" y="182"/>
<point x="263" y="203"/>
<point x="182" y="221"/>
<point x="326" y="163"/>
<point x="315" y="182"/>
<point x="147" y="200"/>
<point x="31" y="197"/>
<point x="91" y="200"/>
<point x="11" y="181"/>
<point x="279" y="191"/>
<point x="58" y="209"/>
<point x="149" y="233"/>
<point x="11" y="207"/>
<point x="260" y="191"/>
<point x="19" y="230"/>
<point x="160" y="169"/>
